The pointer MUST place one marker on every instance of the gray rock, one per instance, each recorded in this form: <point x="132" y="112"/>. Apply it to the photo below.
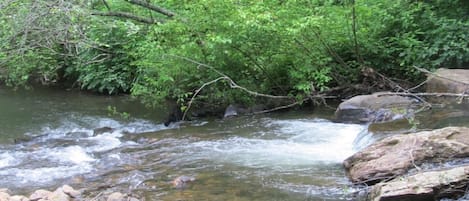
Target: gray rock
<point x="448" y="81"/>
<point x="432" y="185"/>
<point x="395" y="155"/>
<point x="377" y="107"/>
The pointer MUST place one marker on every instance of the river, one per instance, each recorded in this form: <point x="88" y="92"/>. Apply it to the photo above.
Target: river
<point x="47" y="140"/>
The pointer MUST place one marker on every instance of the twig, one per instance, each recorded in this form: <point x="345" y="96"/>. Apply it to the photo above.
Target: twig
<point x="196" y="93"/>
<point x="96" y="197"/>
<point x="232" y="83"/>
<point x="425" y="94"/>
<point x="436" y="75"/>
<point x="280" y="107"/>
<point x="412" y="155"/>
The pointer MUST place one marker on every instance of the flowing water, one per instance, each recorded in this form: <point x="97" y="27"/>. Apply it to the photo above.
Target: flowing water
<point x="47" y="140"/>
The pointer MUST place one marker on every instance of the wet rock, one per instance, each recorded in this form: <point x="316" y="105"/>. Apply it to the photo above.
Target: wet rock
<point x="377" y="107"/>
<point x="4" y="196"/>
<point x="432" y="185"/>
<point x="231" y="111"/>
<point x="182" y="181"/>
<point x="395" y="155"/>
<point x="400" y="125"/>
<point x="174" y="115"/>
<point x="116" y="196"/>
<point x="18" y="198"/>
<point x="99" y="131"/>
<point x="40" y="194"/>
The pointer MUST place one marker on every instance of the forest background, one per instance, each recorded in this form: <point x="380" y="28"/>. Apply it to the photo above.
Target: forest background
<point x="218" y="52"/>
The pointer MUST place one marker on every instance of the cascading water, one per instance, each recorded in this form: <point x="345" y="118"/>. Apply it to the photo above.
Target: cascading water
<point x="247" y="158"/>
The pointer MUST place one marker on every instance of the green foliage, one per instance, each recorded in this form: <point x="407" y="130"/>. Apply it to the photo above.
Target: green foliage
<point x="289" y="48"/>
<point x="107" y="67"/>
<point x="428" y="34"/>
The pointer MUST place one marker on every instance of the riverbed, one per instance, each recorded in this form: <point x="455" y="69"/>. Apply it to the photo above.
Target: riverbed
<point x="47" y="139"/>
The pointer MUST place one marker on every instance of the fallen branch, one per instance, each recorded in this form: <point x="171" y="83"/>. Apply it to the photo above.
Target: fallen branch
<point x="425" y="94"/>
<point x="196" y="93"/>
<point x="127" y="15"/>
<point x="436" y="75"/>
<point x="234" y="85"/>
<point x="152" y="7"/>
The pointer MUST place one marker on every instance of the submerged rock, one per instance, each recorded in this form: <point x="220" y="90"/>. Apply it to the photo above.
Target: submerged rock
<point x="432" y="185"/>
<point x="377" y="107"/>
<point x="395" y="155"/>
<point x="182" y="181"/>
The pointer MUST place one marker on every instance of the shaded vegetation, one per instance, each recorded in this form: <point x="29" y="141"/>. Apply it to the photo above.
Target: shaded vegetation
<point x="285" y="48"/>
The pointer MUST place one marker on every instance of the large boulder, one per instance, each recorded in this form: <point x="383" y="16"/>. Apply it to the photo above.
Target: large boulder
<point x="432" y="185"/>
<point x="448" y="81"/>
<point x="377" y="107"/>
<point x="395" y="155"/>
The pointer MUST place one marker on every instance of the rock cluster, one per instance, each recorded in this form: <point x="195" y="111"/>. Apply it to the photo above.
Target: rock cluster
<point x="64" y="193"/>
<point x="392" y="165"/>
<point x="428" y="165"/>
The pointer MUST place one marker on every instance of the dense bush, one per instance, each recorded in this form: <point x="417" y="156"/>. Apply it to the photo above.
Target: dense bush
<point x="287" y="48"/>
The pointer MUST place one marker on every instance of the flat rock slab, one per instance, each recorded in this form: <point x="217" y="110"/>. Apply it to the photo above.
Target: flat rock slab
<point x="432" y="185"/>
<point x="395" y="155"/>
<point x="377" y="107"/>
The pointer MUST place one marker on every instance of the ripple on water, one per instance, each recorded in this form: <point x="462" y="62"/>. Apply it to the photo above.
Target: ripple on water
<point x="63" y="151"/>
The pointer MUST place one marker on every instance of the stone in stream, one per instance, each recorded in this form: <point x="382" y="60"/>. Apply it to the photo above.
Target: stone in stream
<point x="99" y="131"/>
<point x="377" y="107"/>
<point x="432" y="185"/>
<point x="182" y="181"/>
<point x="395" y="155"/>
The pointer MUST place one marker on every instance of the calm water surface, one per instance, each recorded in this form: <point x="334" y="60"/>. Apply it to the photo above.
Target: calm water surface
<point x="47" y="140"/>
